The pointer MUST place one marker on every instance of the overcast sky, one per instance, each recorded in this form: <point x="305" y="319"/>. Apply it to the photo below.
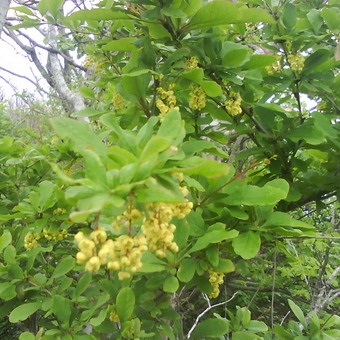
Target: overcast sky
<point x="14" y="60"/>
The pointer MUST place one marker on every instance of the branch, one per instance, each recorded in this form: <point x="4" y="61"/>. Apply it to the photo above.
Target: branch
<point x="53" y="50"/>
<point x="206" y="311"/>
<point x="24" y="77"/>
<point x="32" y="53"/>
<point x="238" y="175"/>
<point x="74" y="100"/>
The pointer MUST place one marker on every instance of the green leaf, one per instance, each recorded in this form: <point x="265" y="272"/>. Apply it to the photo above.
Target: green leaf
<point x="61" y="308"/>
<point x="278" y="218"/>
<point x="170" y="284"/>
<point x="65" y="265"/>
<point x="49" y="6"/>
<point x="271" y="193"/>
<point x="5" y="239"/>
<point x="136" y="86"/>
<point x="87" y="92"/>
<point x="125" y="303"/>
<point x="256" y="326"/>
<point x="247" y="244"/>
<point x="155" y="192"/>
<point x="10" y="254"/>
<point x="172" y="128"/>
<point x="45" y="197"/>
<point x="281" y="333"/>
<point x="196" y="75"/>
<point x="211" y="328"/>
<point x="307" y="132"/>
<point x="27" y="336"/>
<point x="23" y="311"/>
<point x="239" y="335"/>
<point x="298" y="313"/>
<point x="211" y="88"/>
<point x="96" y="14"/>
<point x="331" y="17"/>
<point x="205" y="167"/>
<point x="289" y="16"/>
<point x="214" y="236"/>
<point x="186" y="270"/>
<point x="155" y="146"/>
<point x="95" y="169"/>
<point x="212" y="254"/>
<point x="234" y="55"/>
<point x="7" y="291"/>
<point x="80" y="135"/>
<point x="82" y="284"/>
<point x="23" y="9"/>
<point x="99" y="319"/>
<point x="260" y="61"/>
<point x="123" y="44"/>
<point x="88" y="112"/>
<point x="224" y="13"/>
<point x="151" y="264"/>
<point x="315" y="20"/>
<point x="225" y="266"/>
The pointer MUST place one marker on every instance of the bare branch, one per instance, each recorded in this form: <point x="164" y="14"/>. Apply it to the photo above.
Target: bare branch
<point x="4" y="5"/>
<point x="74" y="100"/>
<point x="32" y="53"/>
<point x="52" y="50"/>
<point x="24" y="77"/>
<point x="206" y="311"/>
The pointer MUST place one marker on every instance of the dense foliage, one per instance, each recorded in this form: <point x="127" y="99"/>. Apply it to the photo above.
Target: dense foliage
<point x="198" y="200"/>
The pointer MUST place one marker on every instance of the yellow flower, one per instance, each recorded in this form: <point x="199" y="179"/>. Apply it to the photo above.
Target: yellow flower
<point x="31" y="240"/>
<point x="233" y="104"/>
<point x="273" y="68"/>
<point x="197" y="98"/>
<point x="98" y="236"/>
<point x="166" y="100"/>
<point x="93" y="264"/>
<point x="192" y="63"/>
<point x="215" y="279"/>
<point x="114" y="316"/>
<point x="296" y="62"/>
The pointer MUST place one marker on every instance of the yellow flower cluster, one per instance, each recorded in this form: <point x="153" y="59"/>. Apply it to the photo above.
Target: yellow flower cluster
<point x="197" y="97"/>
<point x="118" y="101"/>
<point x="59" y="211"/>
<point x="215" y="279"/>
<point x="166" y="100"/>
<point x="321" y="105"/>
<point x="122" y="254"/>
<point x="233" y="104"/>
<point x="273" y="68"/>
<point x="31" y="240"/>
<point x="296" y="61"/>
<point x="56" y="236"/>
<point x="114" y="316"/>
<point x="91" y="62"/>
<point x="126" y="219"/>
<point x="192" y="63"/>
<point x="158" y="230"/>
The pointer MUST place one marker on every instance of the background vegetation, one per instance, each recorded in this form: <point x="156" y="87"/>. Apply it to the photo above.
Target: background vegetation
<point x="180" y="182"/>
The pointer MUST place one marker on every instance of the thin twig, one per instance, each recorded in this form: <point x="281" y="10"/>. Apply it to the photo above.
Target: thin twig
<point x="206" y="311"/>
<point x="238" y="175"/>
<point x="273" y="288"/>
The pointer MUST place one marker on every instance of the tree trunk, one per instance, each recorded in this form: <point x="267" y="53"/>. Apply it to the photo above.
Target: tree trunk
<point x="4" y="5"/>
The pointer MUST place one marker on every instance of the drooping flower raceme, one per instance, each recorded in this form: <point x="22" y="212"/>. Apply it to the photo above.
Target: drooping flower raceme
<point x="233" y="104"/>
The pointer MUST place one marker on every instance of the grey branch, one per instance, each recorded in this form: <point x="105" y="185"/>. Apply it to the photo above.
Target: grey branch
<point x="206" y="311"/>
<point x="24" y="77"/>
<point x="74" y="100"/>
